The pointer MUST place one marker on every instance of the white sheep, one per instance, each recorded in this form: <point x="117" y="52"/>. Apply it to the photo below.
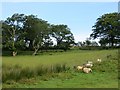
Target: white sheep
<point x="87" y="70"/>
<point x="80" y="67"/>
<point x="88" y="65"/>
<point x="99" y="60"/>
<point x="90" y="62"/>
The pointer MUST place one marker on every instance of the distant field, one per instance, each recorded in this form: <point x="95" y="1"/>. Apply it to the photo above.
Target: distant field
<point x="70" y="58"/>
<point x="70" y="79"/>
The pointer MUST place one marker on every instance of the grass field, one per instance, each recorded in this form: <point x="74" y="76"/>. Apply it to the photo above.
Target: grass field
<point x="107" y="78"/>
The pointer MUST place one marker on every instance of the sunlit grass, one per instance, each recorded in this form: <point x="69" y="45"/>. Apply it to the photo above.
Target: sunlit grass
<point x="56" y="70"/>
<point x="70" y="58"/>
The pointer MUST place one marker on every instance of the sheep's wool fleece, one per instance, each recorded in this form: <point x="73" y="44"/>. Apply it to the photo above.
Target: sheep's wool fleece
<point x="79" y="67"/>
<point x="87" y="70"/>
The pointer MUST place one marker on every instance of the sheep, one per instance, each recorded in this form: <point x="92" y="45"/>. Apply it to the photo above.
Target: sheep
<point x="90" y="62"/>
<point x="83" y="68"/>
<point x="99" y="60"/>
<point x="88" y="65"/>
<point x="79" y="67"/>
<point x="87" y="70"/>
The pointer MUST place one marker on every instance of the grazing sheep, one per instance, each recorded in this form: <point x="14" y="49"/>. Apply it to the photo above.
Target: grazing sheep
<point x="90" y="62"/>
<point x="79" y="67"/>
<point x="99" y="60"/>
<point x="88" y="65"/>
<point x="87" y="70"/>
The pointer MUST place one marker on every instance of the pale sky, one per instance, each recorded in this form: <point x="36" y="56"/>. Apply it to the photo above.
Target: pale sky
<point x="79" y="16"/>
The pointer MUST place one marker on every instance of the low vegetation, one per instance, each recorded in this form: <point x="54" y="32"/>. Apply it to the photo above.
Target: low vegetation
<point x="59" y="74"/>
<point x="17" y="72"/>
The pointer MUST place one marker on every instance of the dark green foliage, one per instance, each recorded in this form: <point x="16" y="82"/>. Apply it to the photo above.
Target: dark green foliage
<point x="63" y="36"/>
<point x="27" y="32"/>
<point x="107" y="29"/>
<point x="12" y="32"/>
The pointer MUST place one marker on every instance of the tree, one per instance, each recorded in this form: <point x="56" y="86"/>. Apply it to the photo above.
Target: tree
<point x="63" y="36"/>
<point x="12" y="28"/>
<point x="37" y="32"/>
<point x="87" y="42"/>
<point x="41" y="35"/>
<point x="107" y="29"/>
<point x="21" y="32"/>
<point x="0" y="36"/>
<point x="80" y="44"/>
<point x="29" y="28"/>
<point x="94" y="43"/>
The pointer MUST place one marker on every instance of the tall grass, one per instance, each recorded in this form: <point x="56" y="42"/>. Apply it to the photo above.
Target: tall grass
<point x="110" y="64"/>
<point x="106" y="66"/>
<point x="46" y="64"/>
<point x="16" y="72"/>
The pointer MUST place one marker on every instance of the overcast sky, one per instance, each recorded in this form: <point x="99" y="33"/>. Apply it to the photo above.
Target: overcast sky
<point x="79" y="16"/>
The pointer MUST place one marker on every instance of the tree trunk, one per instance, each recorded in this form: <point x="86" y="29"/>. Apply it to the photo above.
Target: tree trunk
<point x="112" y="44"/>
<point x="112" y="41"/>
<point x="13" y="43"/>
<point x="35" y="52"/>
<point x="31" y="45"/>
<point x="14" y="53"/>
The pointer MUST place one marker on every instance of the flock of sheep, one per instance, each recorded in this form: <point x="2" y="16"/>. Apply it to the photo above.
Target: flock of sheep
<point x="86" y="68"/>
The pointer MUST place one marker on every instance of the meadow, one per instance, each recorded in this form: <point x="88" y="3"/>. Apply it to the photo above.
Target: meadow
<point x="55" y="70"/>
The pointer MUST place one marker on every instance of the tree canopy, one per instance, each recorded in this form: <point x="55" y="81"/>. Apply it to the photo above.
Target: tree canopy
<point x="63" y="36"/>
<point x="107" y="29"/>
<point x="20" y="32"/>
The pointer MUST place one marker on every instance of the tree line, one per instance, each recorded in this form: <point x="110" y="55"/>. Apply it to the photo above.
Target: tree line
<point x="107" y="30"/>
<point x="27" y="32"/>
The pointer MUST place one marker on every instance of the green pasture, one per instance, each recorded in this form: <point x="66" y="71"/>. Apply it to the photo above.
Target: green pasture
<point x="70" y="58"/>
<point x="103" y="76"/>
<point x="76" y="80"/>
